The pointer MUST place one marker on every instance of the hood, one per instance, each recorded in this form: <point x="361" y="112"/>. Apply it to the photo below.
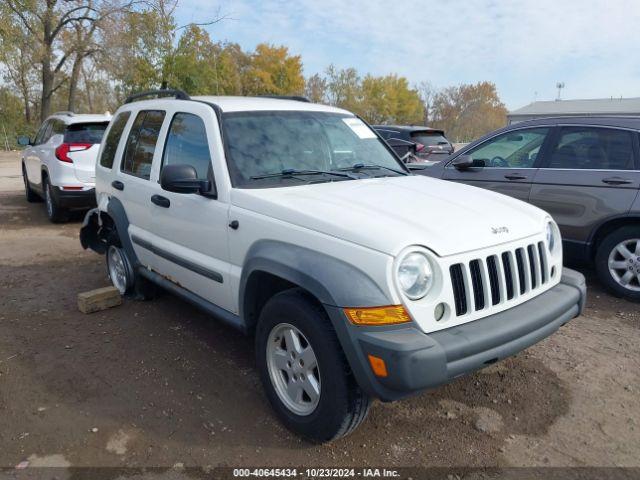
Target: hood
<point x="388" y="214"/>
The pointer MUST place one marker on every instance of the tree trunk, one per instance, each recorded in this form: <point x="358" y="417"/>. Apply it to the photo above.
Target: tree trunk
<point x="47" y="89"/>
<point x="73" y="82"/>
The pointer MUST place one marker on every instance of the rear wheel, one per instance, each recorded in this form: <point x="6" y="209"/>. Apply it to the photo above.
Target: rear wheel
<point x="618" y="262"/>
<point x="30" y="195"/>
<point x="304" y="371"/>
<point x="123" y="275"/>
<point x="120" y="270"/>
<point x="55" y="212"/>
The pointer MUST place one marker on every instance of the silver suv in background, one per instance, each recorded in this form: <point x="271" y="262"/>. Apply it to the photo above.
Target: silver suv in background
<point x="59" y="164"/>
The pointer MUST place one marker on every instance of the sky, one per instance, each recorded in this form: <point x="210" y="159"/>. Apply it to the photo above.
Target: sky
<point x="524" y="46"/>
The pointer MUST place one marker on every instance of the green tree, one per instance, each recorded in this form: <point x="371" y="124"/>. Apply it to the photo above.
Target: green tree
<point x="389" y="99"/>
<point x="273" y="71"/>
<point x="316" y="88"/>
<point x="343" y="87"/>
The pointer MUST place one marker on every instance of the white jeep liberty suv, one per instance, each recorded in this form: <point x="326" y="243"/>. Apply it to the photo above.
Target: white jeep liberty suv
<point x="297" y="223"/>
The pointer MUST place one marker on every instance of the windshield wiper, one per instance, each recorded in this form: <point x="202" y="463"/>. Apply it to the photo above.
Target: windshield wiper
<point x="291" y="172"/>
<point x="369" y="166"/>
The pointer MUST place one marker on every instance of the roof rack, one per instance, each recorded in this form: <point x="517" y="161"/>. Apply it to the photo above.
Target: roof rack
<point x="178" y="94"/>
<point x="297" y="98"/>
<point x="65" y="112"/>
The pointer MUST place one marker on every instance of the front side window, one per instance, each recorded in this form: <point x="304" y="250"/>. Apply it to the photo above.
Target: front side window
<point x="141" y="143"/>
<point x="113" y="139"/>
<point x="593" y="148"/>
<point x="517" y="149"/>
<point x="187" y="144"/>
<point x="268" y="143"/>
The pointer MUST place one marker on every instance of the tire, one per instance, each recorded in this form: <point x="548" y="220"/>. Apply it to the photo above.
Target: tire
<point x="55" y="212"/>
<point x="124" y="277"/>
<point x="341" y="405"/>
<point x="618" y="262"/>
<point x="119" y="269"/>
<point x="30" y="195"/>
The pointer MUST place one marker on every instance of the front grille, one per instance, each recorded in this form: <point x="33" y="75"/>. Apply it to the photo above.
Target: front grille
<point x="485" y="282"/>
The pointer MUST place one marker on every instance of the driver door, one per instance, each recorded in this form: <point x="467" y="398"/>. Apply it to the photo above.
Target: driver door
<point x="506" y="163"/>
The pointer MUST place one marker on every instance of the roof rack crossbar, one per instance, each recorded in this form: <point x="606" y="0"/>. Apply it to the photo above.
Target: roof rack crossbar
<point x="297" y="98"/>
<point x="178" y="94"/>
<point x="65" y="112"/>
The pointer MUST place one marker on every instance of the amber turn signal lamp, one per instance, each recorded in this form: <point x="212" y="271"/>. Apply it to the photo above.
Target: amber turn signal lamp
<point x="378" y="366"/>
<point x="388" y="315"/>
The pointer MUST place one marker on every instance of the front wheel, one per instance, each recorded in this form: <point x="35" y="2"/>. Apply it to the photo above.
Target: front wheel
<point x="618" y="262"/>
<point x="304" y="371"/>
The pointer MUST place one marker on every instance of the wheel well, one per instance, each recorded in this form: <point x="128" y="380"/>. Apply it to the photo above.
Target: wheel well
<point x="608" y="227"/>
<point x="260" y="287"/>
<point x="98" y="235"/>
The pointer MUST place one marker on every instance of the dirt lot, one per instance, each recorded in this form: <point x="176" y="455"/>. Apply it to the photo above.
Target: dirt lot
<point x="160" y="384"/>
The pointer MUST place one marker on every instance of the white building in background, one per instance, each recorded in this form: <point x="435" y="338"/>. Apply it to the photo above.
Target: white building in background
<point x="565" y="108"/>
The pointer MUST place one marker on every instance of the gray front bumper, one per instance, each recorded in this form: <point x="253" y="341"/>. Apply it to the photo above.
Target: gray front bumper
<point x="416" y="361"/>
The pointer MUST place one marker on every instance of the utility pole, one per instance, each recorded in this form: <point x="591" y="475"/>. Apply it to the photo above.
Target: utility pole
<point x="559" y="86"/>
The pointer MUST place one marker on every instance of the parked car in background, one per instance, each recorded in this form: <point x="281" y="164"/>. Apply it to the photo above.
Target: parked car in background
<point x="296" y="223"/>
<point x="59" y="164"/>
<point x="584" y="171"/>
<point x="431" y="143"/>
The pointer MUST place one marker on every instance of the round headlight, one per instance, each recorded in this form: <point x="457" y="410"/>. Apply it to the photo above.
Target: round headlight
<point x="415" y="275"/>
<point x="551" y="236"/>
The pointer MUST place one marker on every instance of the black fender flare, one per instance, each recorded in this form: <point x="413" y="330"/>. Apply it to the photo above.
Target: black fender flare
<point x="332" y="281"/>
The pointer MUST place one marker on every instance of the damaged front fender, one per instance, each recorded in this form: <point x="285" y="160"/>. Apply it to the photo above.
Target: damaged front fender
<point x="92" y="233"/>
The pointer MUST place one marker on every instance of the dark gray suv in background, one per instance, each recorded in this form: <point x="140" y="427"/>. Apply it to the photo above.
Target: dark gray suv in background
<point x="584" y="171"/>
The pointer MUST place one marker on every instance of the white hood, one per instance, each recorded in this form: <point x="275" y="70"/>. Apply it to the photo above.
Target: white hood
<point x="391" y="213"/>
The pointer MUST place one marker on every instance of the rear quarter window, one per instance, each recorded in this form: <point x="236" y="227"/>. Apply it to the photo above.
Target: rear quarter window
<point x="85" y="132"/>
<point x="112" y="140"/>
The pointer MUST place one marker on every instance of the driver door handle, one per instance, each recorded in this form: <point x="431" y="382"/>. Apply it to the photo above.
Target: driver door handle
<point x="616" y="181"/>
<point x="117" y="184"/>
<point x="161" y="201"/>
<point x="515" y="176"/>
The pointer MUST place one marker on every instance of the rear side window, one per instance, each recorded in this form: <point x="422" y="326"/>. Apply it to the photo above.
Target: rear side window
<point x="187" y="144"/>
<point x="42" y="133"/>
<point x="113" y="139"/>
<point x="57" y="127"/>
<point x="592" y="148"/>
<point x="85" y="132"/>
<point x="141" y="143"/>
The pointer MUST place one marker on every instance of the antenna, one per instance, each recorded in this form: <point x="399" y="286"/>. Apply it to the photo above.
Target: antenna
<point x="559" y="86"/>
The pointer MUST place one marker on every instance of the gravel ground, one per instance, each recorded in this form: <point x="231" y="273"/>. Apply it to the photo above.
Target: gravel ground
<point x="159" y="384"/>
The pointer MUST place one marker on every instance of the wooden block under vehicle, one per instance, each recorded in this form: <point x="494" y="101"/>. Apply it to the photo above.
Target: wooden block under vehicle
<point x="99" y="299"/>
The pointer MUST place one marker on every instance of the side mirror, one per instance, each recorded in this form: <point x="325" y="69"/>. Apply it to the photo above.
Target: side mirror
<point x="183" y="178"/>
<point x="463" y="162"/>
<point x="24" y="140"/>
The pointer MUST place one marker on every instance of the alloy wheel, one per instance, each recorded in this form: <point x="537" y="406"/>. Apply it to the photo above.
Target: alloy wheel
<point x="624" y="264"/>
<point x="293" y="369"/>
<point x="117" y="269"/>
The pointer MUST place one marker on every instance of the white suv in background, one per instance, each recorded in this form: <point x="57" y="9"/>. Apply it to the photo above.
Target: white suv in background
<point x="59" y="165"/>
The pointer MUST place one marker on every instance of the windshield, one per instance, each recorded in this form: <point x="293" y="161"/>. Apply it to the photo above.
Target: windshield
<point x="282" y="148"/>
